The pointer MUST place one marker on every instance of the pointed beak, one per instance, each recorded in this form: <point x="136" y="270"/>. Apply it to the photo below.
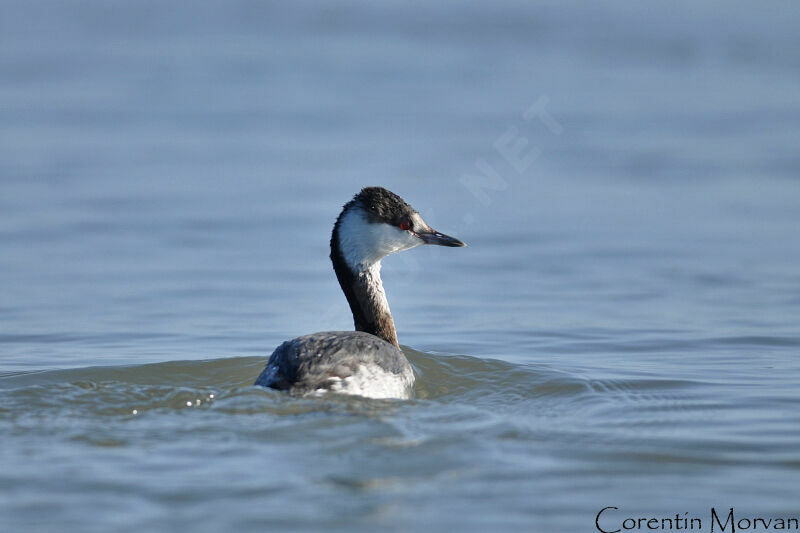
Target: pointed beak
<point x="431" y="236"/>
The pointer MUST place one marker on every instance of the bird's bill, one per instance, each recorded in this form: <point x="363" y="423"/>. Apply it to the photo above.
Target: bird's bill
<point x="432" y="236"/>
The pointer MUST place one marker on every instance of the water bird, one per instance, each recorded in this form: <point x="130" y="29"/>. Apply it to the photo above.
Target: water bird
<point x="368" y="361"/>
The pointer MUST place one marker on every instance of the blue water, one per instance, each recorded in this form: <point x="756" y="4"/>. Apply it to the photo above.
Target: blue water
<point x="621" y="331"/>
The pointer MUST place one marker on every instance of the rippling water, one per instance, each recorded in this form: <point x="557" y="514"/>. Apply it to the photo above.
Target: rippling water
<point x="621" y="331"/>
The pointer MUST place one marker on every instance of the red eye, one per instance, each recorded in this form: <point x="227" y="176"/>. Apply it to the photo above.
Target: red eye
<point x="405" y="225"/>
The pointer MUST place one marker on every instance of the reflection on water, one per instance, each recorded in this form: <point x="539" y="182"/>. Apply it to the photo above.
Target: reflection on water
<point x="622" y="329"/>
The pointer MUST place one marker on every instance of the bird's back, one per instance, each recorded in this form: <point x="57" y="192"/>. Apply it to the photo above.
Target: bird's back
<point x="350" y="362"/>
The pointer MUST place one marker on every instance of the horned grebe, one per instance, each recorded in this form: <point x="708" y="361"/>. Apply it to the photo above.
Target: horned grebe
<point x="367" y="362"/>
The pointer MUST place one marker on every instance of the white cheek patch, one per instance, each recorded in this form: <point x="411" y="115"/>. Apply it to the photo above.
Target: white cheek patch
<point x="363" y="243"/>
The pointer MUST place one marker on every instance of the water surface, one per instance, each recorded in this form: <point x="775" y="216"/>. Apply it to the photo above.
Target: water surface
<point x="621" y="331"/>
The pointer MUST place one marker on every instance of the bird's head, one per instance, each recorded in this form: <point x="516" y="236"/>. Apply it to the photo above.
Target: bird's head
<point x="376" y="223"/>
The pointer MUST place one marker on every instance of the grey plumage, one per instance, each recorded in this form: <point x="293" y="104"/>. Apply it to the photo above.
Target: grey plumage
<point x="306" y="364"/>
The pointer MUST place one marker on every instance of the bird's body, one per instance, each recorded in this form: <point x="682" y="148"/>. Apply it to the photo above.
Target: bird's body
<point x="351" y="362"/>
<point x="368" y="361"/>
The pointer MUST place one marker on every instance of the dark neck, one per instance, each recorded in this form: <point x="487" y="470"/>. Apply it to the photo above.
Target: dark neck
<point x="364" y="293"/>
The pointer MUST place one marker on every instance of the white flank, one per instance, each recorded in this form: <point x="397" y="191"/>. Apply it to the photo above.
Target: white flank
<point x="371" y="381"/>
